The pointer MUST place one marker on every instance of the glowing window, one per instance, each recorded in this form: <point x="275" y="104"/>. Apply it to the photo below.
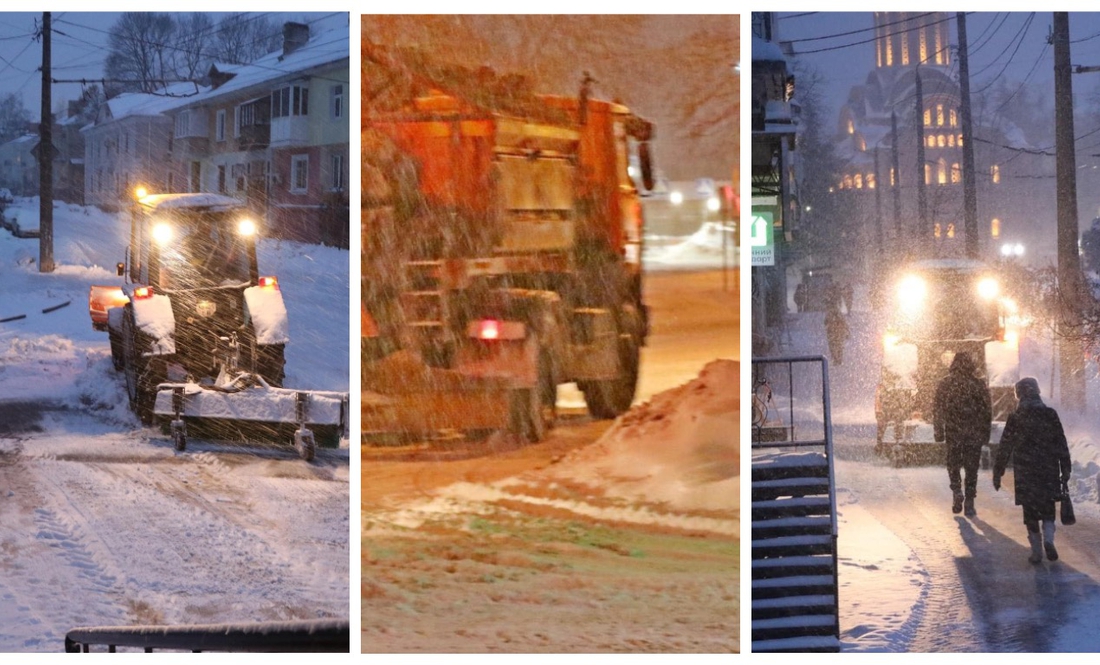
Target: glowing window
<point x="931" y="141"/>
<point x="923" y="45"/>
<point x="928" y="174"/>
<point x="870" y="181"/>
<point x="939" y="115"/>
<point x="960" y="140"/>
<point x="905" y="48"/>
<point x="995" y="228"/>
<point x="950" y="230"/>
<point x="953" y="118"/>
<point x="889" y="50"/>
<point x="940" y="141"/>
<point x="941" y="171"/>
<point x="956" y="173"/>
<point x="927" y="117"/>
<point x="892" y="181"/>
<point x="851" y="126"/>
<point x="995" y="173"/>
<point x="941" y="57"/>
<point x="950" y="140"/>
<point x="848" y="181"/>
<point x="936" y="230"/>
<point x="858" y="180"/>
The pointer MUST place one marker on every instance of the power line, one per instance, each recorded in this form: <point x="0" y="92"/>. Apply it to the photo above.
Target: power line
<point x="1026" y="26"/>
<point x="988" y="40"/>
<point x="856" y="32"/>
<point x="1020" y="34"/>
<point x="865" y="41"/>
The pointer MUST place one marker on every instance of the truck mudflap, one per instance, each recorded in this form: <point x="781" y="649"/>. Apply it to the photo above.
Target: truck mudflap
<point x="404" y="397"/>
<point x="255" y="412"/>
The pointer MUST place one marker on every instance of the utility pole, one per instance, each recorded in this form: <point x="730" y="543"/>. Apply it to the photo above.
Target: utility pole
<point x="878" y="209"/>
<point x="970" y="192"/>
<point x="899" y="236"/>
<point x="1071" y="352"/>
<point x="45" y="159"/>
<point x="922" y="201"/>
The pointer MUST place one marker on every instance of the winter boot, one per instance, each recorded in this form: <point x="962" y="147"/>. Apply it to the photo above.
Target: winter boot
<point x="968" y="507"/>
<point x="1048" y="540"/>
<point x="957" y="503"/>
<point x="1036" y="541"/>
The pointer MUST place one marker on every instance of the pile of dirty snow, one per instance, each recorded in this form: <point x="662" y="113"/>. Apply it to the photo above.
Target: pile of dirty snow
<point x="681" y="449"/>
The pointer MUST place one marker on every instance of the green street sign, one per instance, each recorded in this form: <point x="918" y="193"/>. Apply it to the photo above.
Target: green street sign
<point x="761" y="239"/>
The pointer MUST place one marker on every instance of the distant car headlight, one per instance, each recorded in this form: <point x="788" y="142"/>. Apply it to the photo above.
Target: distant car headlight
<point x="988" y="288"/>
<point x="911" y="292"/>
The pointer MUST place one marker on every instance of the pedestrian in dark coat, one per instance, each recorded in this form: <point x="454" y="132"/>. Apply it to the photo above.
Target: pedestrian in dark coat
<point x="961" y="417"/>
<point x="836" y="332"/>
<point x="1035" y="442"/>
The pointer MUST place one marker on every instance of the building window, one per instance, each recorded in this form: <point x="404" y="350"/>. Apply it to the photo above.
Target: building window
<point x="892" y="181"/>
<point x="870" y="181"/>
<point x="219" y="126"/>
<point x="940" y="58"/>
<point x="927" y="117"/>
<point x="928" y="174"/>
<point x="292" y="100"/>
<point x="858" y="180"/>
<point x="851" y="126"/>
<point x="196" y="177"/>
<point x="337" y="101"/>
<point x="939" y="115"/>
<point x="299" y="174"/>
<point x="995" y="173"/>
<point x="862" y="144"/>
<point x="936" y="229"/>
<point x="960" y="141"/>
<point x="941" y="171"/>
<point x="338" y="172"/>
<point x="847" y="182"/>
<point x="905" y="48"/>
<point x="950" y="140"/>
<point x="183" y="124"/>
<point x="940" y="141"/>
<point x="889" y="50"/>
<point x="236" y="122"/>
<point x="953" y="118"/>
<point x="956" y="174"/>
<point x="951" y="230"/>
<point x="923" y="46"/>
<point x="221" y="179"/>
<point x="995" y="228"/>
<point x="931" y="141"/>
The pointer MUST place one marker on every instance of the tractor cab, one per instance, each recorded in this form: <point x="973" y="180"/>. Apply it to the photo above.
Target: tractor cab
<point x="184" y="242"/>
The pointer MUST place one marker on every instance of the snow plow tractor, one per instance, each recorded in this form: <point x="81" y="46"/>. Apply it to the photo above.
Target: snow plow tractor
<point x="941" y="308"/>
<point x="199" y="334"/>
<point x="502" y="257"/>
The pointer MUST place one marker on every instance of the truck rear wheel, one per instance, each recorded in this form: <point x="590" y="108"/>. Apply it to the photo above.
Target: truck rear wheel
<point x="534" y="410"/>
<point x="610" y="399"/>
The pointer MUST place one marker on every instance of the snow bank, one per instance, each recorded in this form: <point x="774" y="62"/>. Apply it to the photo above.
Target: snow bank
<point x="681" y="449"/>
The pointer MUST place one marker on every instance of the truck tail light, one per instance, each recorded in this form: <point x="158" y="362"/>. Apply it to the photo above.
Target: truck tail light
<point x="488" y="329"/>
<point x="269" y="282"/>
<point x="143" y="292"/>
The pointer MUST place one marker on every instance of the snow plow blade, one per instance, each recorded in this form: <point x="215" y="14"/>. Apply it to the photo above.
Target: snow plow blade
<point x="305" y="418"/>
<point x="404" y="397"/>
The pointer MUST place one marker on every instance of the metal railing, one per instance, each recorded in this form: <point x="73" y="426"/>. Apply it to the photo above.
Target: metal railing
<point x="321" y="636"/>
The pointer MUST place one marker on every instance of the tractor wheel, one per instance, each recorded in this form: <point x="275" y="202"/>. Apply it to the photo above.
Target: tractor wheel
<point x="610" y="399"/>
<point x="534" y="410"/>
<point x="140" y="382"/>
<point x="271" y="363"/>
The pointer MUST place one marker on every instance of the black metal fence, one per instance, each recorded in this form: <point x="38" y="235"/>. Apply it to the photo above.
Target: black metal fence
<point x="322" y="636"/>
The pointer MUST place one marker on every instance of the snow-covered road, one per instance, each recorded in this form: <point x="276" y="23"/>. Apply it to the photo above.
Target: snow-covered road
<point x="914" y="577"/>
<point x="101" y="521"/>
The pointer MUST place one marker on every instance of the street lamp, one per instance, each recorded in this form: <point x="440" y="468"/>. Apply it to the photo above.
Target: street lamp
<point x="713" y="204"/>
<point x="676" y="198"/>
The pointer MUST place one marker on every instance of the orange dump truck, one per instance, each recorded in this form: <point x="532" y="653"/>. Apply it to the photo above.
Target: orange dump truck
<point x="502" y="258"/>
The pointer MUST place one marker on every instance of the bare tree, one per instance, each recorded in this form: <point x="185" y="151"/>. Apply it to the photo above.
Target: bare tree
<point x="194" y="37"/>
<point x="14" y="117"/>
<point x="140" y="58"/>
<point x="242" y="38"/>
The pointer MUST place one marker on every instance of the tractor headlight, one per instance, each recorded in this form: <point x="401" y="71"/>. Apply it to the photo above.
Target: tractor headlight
<point x="246" y="227"/>
<point x="988" y="288"/>
<point x="911" y="292"/>
<point x="162" y="233"/>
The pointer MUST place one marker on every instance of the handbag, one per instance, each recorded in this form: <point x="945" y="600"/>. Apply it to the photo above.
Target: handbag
<point x="1068" y="518"/>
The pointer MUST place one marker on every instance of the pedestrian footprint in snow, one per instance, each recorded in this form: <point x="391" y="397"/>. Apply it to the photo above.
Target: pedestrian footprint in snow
<point x="836" y="331"/>
<point x="961" y="417"/>
<point x="1035" y="442"/>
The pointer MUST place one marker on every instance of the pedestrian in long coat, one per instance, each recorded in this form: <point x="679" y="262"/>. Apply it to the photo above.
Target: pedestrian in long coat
<point x="1035" y="442"/>
<point x="962" y="416"/>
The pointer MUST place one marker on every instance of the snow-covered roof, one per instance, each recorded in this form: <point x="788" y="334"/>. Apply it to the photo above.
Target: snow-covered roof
<point x="325" y="48"/>
<point x="762" y="49"/>
<point x="158" y="202"/>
